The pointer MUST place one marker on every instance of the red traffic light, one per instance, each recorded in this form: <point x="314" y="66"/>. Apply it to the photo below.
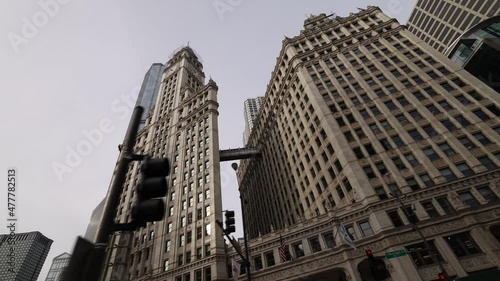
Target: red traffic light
<point x="442" y="276"/>
<point x="369" y="254"/>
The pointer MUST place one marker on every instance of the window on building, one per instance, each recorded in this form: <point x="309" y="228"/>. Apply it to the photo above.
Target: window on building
<point x="314" y="243"/>
<point x="415" y="135"/>
<point x="258" y="262"/>
<point x="398" y="163"/>
<point x="468" y="198"/>
<point x="486" y="161"/>
<point x="481" y="114"/>
<point x="465" y="169"/>
<point x="207" y="250"/>
<point x="351" y="232"/>
<point x="482" y="138"/>
<point x="446" y="149"/>
<point x="415" y="115"/>
<point x="329" y="239"/>
<point x="447" y="174"/>
<point x="381" y="193"/>
<point x="445" y="205"/>
<point x="487" y="194"/>
<point x="365" y="228"/>
<point x="208" y="273"/>
<point x="167" y="246"/>
<point x="181" y="240"/>
<point x="412" y="183"/>
<point x="395" y="218"/>
<point x="431" y="153"/>
<point x="385" y="144"/>
<point x="270" y="259"/>
<point x="420" y="255"/>
<point x="199" y="253"/>
<point x="430" y="209"/>
<point x="462" y="244"/>
<point x="340" y="192"/>
<point x="165" y="265"/>
<point x="298" y="249"/>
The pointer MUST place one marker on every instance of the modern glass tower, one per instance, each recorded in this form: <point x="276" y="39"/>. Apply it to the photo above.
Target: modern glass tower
<point x="95" y="219"/>
<point x="182" y="126"/>
<point x="478" y="51"/>
<point x="440" y="22"/>
<point x="365" y="124"/>
<point x="23" y="255"/>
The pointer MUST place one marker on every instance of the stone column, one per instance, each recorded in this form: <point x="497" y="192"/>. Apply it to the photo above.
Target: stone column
<point x="485" y="244"/>
<point x="450" y="260"/>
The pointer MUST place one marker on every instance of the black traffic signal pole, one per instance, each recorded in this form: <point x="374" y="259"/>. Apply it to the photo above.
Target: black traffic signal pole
<point x="249" y="278"/>
<point x="246" y="261"/>
<point x="107" y="225"/>
<point x="245" y="238"/>
<point x="434" y="256"/>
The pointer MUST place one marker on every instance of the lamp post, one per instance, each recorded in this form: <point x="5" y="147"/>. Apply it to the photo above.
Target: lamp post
<point x="249" y="278"/>
<point x="415" y="227"/>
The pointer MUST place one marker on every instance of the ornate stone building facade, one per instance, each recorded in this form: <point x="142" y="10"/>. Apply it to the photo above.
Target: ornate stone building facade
<point x="365" y="124"/>
<point x="182" y="126"/>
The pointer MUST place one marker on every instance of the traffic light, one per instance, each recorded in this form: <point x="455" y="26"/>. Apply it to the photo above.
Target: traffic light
<point x="152" y="184"/>
<point x="230" y="228"/>
<point x="379" y="270"/>
<point x="369" y="254"/>
<point x="442" y="276"/>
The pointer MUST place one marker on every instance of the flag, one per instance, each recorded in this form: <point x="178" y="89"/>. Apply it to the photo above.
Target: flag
<point x="235" y="267"/>
<point x="282" y="250"/>
<point x="344" y="235"/>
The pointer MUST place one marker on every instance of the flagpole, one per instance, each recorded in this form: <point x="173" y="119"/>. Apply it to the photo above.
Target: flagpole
<point x="336" y="233"/>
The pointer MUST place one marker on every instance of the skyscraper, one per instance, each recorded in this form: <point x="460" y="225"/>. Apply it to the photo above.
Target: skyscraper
<point x="58" y="266"/>
<point x="182" y="126"/>
<point x="366" y="125"/>
<point x="440" y="22"/>
<point x="251" y="110"/>
<point x="95" y="219"/>
<point x="22" y="255"/>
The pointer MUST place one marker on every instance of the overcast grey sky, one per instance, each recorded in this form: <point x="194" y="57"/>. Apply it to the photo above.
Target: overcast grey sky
<point x="70" y="68"/>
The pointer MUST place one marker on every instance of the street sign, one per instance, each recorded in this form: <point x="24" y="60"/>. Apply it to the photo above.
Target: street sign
<point x="395" y="254"/>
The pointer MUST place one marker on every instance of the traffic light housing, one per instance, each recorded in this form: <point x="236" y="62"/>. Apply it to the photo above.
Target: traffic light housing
<point x="152" y="185"/>
<point x="230" y="227"/>
<point x="377" y="268"/>
<point x="442" y="276"/>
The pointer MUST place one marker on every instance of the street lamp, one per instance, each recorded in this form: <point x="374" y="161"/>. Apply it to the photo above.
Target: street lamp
<point x="249" y="278"/>
<point x="415" y="227"/>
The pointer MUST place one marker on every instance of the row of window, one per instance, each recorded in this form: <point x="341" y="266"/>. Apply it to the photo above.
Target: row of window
<point x="462" y="244"/>
<point x="467" y="196"/>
